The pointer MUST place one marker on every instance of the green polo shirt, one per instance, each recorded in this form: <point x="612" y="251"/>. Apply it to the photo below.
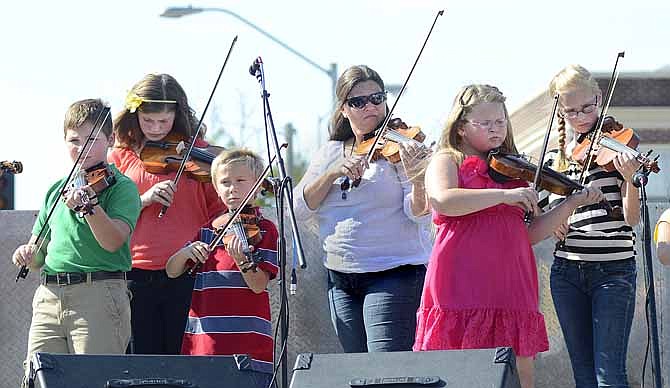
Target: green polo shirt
<point x="71" y="244"/>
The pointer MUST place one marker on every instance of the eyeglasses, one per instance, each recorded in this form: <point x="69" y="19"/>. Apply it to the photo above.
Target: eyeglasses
<point x="586" y="109"/>
<point x="487" y="124"/>
<point x="359" y="102"/>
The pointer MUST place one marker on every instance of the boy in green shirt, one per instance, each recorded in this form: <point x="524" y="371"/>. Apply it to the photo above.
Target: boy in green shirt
<point x="82" y="304"/>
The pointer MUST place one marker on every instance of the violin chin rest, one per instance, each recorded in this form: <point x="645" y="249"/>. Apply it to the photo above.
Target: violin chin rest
<point x="498" y="177"/>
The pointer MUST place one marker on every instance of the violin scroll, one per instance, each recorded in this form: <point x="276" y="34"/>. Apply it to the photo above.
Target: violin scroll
<point x="14" y="167"/>
<point x="611" y="125"/>
<point x="644" y="159"/>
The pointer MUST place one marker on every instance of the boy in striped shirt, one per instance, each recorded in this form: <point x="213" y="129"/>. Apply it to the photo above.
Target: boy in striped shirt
<point x="230" y="306"/>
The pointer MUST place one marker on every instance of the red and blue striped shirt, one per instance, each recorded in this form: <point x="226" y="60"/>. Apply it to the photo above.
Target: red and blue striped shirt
<point x="226" y="317"/>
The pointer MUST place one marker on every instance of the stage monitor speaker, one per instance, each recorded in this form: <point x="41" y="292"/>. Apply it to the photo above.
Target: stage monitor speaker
<point x="126" y="371"/>
<point x="485" y="368"/>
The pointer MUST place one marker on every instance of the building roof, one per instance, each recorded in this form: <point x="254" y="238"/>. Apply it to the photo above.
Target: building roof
<point x="642" y="97"/>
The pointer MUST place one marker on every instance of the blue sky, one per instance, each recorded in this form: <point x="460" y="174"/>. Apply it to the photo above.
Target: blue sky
<point x="58" y="52"/>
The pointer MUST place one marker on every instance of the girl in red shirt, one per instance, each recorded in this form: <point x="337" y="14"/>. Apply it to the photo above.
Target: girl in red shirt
<point x="157" y="107"/>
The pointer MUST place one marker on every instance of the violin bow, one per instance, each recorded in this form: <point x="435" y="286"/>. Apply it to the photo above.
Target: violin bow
<point x="540" y="163"/>
<point x="221" y="232"/>
<point x="85" y="150"/>
<point x="387" y="119"/>
<point x="610" y="92"/>
<point x="187" y="155"/>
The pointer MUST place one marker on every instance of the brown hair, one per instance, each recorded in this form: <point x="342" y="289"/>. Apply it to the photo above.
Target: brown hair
<point x="468" y="97"/>
<point x="87" y="111"/>
<point x="340" y="128"/>
<point x="155" y="87"/>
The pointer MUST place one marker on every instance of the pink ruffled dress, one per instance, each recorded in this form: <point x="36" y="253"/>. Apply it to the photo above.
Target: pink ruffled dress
<point x="481" y="288"/>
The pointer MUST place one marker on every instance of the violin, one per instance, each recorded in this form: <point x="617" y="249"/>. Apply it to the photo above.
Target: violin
<point x="504" y="167"/>
<point x="245" y="228"/>
<point x="614" y="139"/>
<point x="161" y="157"/>
<point x="11" y="167"/>
<point x="372" y="149"/>
<point x="387" y="147"/>
<point x="99" y="178"/>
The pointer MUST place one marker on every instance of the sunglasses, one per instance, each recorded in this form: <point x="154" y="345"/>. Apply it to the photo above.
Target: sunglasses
<point x="359" y="102"/>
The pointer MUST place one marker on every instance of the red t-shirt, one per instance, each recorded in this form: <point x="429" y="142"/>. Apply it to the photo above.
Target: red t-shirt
<point x="155" y="239"/>
<point x="226" y="317"/>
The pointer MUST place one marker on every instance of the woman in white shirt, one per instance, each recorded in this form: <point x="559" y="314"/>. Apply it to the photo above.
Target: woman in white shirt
<point x="375" y="236"/>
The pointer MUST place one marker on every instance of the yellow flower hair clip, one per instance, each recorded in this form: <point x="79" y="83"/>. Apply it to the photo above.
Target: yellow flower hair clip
<point x="133" y="101"/>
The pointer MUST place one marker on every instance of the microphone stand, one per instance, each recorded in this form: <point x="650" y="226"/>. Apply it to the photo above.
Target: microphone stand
<point x="640" y="180"/>
<point x="283" y="194"/>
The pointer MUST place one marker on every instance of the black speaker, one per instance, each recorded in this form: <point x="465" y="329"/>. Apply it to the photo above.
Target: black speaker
<point x="489" y="368"/>
<point x="125" y="371"/>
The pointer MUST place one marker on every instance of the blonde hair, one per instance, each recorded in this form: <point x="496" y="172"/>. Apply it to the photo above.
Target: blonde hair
<point x="573" y="77"/>
<point x="569" y="79"/>
<point x="238" y="155"/>
<point x="466" y="99"/>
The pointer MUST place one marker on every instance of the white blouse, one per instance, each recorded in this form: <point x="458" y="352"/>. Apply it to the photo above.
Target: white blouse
<point x="373" y="229"/>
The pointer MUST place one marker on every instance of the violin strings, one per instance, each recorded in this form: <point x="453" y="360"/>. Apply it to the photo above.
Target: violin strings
<point x="238" y="229"/>
<point x="395" y="136"/>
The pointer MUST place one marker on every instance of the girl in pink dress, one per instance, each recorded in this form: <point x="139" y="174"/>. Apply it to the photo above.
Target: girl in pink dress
<point x="481" y="288"/>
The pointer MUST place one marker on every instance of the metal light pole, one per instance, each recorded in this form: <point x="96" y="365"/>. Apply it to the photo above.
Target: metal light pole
<point x="331" y="72"/>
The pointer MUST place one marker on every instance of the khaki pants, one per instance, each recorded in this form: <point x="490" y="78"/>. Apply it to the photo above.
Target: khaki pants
<point x="91" y="318"/>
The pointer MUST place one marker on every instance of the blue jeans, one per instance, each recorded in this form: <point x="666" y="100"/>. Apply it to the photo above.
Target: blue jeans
<point x="376" y="311"/>
<point x="595" y="302"/>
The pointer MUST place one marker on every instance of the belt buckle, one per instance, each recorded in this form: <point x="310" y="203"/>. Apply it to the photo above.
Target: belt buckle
<point x="63" y="279"/>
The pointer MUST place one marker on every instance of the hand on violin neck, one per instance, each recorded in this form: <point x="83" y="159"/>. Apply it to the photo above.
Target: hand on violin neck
<point x="161" y="192"/>
<point x="414" y="158"/>
<point x="627" y="165"/>
<point x="78" y="198"/>
<point x="235" y="249"/>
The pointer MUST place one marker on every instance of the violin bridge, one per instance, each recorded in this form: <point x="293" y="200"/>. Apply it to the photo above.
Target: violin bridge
<point x="181" y="146"/>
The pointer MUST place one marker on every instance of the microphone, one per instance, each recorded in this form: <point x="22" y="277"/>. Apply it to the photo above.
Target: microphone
<point x="270" y="185"/>
<point x="255" y="67"/>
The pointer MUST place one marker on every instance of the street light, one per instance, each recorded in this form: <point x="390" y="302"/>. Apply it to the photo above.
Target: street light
<point x="331" y="72"/>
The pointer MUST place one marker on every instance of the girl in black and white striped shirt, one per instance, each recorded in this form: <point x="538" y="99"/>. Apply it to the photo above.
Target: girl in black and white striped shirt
<point x="593" y="274"/>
